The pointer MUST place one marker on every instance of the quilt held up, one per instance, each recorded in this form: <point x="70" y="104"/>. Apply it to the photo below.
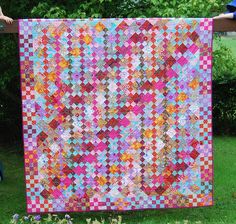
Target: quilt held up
<point x="116" y="113"/>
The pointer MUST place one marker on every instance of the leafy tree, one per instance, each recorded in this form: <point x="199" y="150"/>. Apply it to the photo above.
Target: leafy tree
<point x="224" y="63"/>
<point x="127" y="8"/>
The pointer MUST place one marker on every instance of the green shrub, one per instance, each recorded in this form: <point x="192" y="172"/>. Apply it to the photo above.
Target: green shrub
<point x="224" y="63"/>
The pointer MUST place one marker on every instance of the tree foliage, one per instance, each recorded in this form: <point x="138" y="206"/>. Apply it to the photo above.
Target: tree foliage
<point x="224" y="63"/>
<point x="127" y="8"/>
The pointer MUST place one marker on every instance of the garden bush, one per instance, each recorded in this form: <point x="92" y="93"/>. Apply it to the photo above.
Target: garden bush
<point x="224" y="90"/>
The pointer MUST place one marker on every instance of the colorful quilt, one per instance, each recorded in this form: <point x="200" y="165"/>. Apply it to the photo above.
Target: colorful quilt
<point x="116" y="113"/>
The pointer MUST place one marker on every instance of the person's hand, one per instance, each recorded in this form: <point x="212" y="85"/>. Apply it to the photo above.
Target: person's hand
<point x="7" y="19"/>
<point x="224" y="16"/>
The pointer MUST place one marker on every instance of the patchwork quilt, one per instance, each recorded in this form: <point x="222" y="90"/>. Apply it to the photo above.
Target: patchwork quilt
<point x="116" y="113"/>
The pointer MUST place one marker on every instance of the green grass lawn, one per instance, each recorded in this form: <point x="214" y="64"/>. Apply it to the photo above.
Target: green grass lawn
<point x="12" y="192"/>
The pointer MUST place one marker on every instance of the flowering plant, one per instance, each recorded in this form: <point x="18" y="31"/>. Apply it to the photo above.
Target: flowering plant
<point x="37" y="219"/>
<point x="55" y="219"/>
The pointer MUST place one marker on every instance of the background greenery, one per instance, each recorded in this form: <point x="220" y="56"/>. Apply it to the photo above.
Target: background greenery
<point x="224" y="70"/>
